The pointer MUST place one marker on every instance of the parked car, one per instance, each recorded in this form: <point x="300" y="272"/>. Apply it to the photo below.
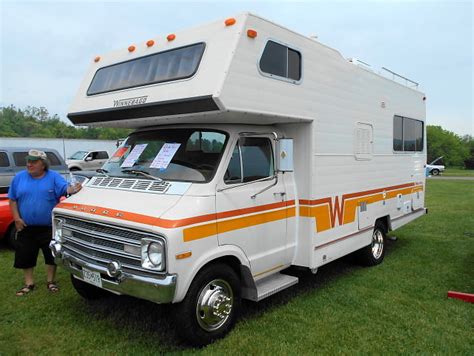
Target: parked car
<point x="13" y="160"/>
<point x="87" y="160"/>
<point x="435" y="169"/>
<point x="7" y="225"/>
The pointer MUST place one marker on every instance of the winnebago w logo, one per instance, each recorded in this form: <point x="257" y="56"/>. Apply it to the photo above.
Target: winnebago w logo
<point x="336" y="210"/>
<point x="130" y="101"/>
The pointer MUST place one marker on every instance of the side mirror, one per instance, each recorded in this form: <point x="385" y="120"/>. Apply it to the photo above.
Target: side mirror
<point x="88" y="159"/>
<point x="285" y="155"/>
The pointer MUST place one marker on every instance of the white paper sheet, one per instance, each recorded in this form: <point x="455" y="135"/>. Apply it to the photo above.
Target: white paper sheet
<point x="164" y="157"/>
<point x="134" y="155"/>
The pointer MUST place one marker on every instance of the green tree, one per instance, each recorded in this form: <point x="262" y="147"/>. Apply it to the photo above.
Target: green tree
<point x="445" y="143"/>
<point x="37" y="122"/>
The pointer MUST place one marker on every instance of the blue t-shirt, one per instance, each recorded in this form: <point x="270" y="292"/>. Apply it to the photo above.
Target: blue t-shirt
<point x="36" y="198"/>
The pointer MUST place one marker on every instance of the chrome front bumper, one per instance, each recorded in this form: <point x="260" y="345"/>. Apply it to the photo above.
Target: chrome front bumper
<point x="157" y="289"/>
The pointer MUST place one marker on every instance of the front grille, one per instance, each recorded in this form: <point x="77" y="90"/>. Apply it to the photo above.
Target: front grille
<point x="100" y="244"/>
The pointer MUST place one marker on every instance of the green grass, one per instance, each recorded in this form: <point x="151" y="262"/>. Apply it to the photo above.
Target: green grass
<point x="458" y="172"/>
<point x="397" y="307"/>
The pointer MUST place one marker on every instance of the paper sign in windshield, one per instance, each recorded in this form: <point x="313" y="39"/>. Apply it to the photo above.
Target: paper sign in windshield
<point x="164" y="157"/>
<point x="134" y="155"/>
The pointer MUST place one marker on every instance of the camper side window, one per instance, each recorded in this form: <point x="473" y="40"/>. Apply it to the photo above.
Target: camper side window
<point x="252" y="159"/>
<point x="279" y="60"/>
<point x="407" y="134"/>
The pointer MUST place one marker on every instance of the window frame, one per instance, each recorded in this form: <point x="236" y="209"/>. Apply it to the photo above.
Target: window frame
<point x="274" y="76"/>
<point x="242" y="180"/>
<point x="7" y="160"/>
<point x="150" y="83"/>
<point x="403" y="150"/>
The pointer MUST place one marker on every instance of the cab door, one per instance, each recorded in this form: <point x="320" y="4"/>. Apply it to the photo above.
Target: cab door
<point x="251" y="205"/>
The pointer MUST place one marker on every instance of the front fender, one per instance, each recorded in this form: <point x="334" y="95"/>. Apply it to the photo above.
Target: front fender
<point x="184" y="282"/>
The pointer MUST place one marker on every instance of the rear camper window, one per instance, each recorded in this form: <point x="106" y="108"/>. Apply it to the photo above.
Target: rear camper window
<point x="281" y="61"/>
<point x="407" y="134"/>
<point x="160" y="67"/>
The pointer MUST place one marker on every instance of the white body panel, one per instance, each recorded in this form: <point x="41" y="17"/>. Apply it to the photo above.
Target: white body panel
<point x="346" y="174"/>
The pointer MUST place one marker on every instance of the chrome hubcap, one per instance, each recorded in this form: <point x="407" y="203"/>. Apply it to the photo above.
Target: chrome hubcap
<point x="214" y="304"/>
<point x="377" y="244"/>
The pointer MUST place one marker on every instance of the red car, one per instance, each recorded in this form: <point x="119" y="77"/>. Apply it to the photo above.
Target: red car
<point x="7" y="225"/>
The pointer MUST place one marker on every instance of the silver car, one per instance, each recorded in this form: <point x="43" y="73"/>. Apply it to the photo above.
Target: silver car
<point x="13" y="160"/>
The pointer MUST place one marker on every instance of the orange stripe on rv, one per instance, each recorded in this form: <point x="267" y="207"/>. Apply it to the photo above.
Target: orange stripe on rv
<point x="220" y="227"/>
<point x="326" y="213"/>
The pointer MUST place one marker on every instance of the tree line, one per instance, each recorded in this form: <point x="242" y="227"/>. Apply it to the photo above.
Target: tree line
<point x="37" y="122"/>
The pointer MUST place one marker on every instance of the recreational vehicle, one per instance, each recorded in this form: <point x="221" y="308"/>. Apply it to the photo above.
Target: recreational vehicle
<point x="255" y="149"/>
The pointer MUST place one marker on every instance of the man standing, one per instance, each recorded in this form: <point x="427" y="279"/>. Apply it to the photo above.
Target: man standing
<point x="33" y="195"/>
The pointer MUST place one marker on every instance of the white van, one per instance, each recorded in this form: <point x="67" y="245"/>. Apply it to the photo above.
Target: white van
<point x="255" y="149"/>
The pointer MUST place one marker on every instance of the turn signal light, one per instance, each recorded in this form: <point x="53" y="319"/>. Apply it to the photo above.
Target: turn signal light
<point x="251" y="33"/>
<point x="230" y="21"/>
<point x="150" y="43"/>
<point x="96" y="59"/>
<point x="131" y="48"/>
<point x="184" y="255"/>
<point x="171" y="37"/>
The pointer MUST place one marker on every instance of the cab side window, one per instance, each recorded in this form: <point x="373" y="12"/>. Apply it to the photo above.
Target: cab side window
<point x="252" y="159"/>
<point x="4" y="162"/>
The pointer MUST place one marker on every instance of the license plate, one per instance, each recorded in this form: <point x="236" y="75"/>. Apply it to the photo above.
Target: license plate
<point x="92" y="277"/>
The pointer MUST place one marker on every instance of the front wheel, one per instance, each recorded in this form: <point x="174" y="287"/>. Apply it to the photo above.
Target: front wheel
<point x="374" y="253"/>
<point x="211" y="306"/>
<point x="435" y="172"/>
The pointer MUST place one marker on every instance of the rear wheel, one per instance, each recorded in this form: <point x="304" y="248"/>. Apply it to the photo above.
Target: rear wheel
<point x="211" y="306"/>
<point x="374" y="253"/>
<point x="86" y="290"/>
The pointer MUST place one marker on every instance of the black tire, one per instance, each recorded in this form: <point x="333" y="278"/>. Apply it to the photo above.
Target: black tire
<point x="198" y="323"/>
<point x="374" y="253"/>
<point x="75" y="169"/>
<point x="86" y="290"/>
<point x="435" y="172"/>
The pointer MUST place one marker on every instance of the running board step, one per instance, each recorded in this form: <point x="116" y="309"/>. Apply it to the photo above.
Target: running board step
<point x="273" y="284"/>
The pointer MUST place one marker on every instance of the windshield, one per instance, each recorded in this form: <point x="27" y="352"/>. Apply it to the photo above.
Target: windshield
<point x="190" y="155"/>
<point x="78" y="155"/>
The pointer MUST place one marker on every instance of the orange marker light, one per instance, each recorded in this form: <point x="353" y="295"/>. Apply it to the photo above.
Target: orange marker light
<point x="131" y="48"/>
<point x="230" y="21"/>
<point x="251" y="33"/>
<point x="150" y="43"/>
<point x="171" y="37"/>
<point x="184" y="255"/>
<point x="96" y="59"/>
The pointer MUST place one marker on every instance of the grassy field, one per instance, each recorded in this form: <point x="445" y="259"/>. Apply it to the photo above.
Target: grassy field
<point x="458" y="172"/>
<point x="397" y="307"/>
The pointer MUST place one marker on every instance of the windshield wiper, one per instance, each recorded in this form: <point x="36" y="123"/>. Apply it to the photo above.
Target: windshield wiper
<point x="103" y="171"/>
<point x="143" y="173"/>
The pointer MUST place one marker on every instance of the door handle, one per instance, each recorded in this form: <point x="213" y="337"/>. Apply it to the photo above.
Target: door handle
<point x="281" y="194"/>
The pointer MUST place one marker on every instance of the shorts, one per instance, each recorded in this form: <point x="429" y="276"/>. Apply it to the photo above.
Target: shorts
<point x="28" y="243"/>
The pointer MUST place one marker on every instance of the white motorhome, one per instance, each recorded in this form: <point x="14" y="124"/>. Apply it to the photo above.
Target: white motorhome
<point x="255" y="149"/>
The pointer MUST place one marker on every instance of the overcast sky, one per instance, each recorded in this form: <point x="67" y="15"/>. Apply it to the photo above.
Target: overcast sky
<point x="46" y="47"/>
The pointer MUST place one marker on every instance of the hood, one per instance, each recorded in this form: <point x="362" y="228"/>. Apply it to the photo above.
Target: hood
<point x="138" y="207"/>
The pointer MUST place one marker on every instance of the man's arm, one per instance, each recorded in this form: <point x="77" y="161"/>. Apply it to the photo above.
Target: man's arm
<point x="19" y="223"/>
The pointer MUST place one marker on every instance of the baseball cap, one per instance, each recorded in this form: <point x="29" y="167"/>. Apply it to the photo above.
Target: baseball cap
<point x="34" y="155"/>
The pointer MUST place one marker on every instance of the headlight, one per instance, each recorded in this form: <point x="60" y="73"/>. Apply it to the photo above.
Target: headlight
<point x="152" y="252"/>
<point x="58" y="229"/>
